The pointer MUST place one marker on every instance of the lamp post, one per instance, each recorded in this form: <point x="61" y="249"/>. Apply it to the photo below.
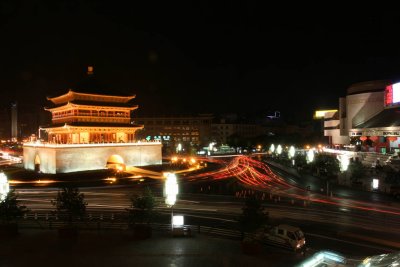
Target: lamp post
<point x="4" y="186"/>
<point x="279" y="150"/>
<point x="291" y="154"/>
<point x="171" y="191"/>
<point x="310" y="156"/>
<point x="272" y="148"/>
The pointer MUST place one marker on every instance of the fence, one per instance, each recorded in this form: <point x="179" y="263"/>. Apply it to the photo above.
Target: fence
<point x="112" y="221"/>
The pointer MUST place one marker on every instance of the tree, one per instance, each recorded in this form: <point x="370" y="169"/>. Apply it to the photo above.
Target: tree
<point x="327" y="165"/>
<point x="142" y="207"/>
<point x="10" y="209"/>
<point x="253" y="215"/>
<point x="70" y="204"/>
<point x="357" y="170"/>
<point x="300" y="160"/>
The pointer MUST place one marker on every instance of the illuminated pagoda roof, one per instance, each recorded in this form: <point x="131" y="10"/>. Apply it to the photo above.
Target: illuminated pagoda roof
<point x="82" y="103"/>
<point x="73" y="96"/>
<point x="90" y="89"/>
<point x="91" y="124"/>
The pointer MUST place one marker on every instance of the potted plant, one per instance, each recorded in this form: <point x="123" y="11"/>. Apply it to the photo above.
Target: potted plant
<point x="141" y="213"/>
<point x="70" y="207"/>
<point x="252" y="218"/>
<point x="10" y="212"/>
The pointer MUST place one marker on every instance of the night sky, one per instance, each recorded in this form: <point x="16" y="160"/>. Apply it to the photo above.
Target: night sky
<point x="213" y="57"/>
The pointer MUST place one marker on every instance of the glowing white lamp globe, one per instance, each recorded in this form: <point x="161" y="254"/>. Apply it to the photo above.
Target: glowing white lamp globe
<point x="310" y="156"/>
<point x="272" y="148"/>
<point x="344" y="162"/>
<point x="171" y="189"/>
<point x="292" y="151"/>
<point x="4" y="187"/>
<point x="279" y="150"/>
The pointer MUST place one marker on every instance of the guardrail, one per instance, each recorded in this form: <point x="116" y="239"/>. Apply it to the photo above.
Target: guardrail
<point x="113" y="221"/>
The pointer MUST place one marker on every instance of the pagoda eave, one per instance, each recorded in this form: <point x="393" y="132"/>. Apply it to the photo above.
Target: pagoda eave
<point x="78" y="127"/>
<point x="72" y="105"/>
<point x="71" y="95"/>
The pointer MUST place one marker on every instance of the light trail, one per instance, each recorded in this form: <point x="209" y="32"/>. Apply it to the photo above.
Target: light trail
<point x="259" y="177"/>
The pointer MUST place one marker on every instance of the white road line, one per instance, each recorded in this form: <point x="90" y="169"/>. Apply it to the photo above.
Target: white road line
<point x="349" y="242"/>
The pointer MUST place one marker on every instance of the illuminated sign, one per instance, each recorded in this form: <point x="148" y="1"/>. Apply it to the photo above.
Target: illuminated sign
<point x="158" y="137"/>
<point x="396" y="92"/>
<point x="177" y="220"/>
<point x="321" y="113"/>
<point x="375" y="183"/>
<point x="392" y="94"/>
<point x="391" y="133"/>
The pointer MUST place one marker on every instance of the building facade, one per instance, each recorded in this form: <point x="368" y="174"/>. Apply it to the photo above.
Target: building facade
<point x="189" y="131"/>
<point x="222" y="131"/>
<point x="193" y="132"/>
<point x="368" y="117"/>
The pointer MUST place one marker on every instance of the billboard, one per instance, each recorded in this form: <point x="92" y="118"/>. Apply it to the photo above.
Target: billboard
<point x="392" y="95"/>
<point x="320" y="114"/>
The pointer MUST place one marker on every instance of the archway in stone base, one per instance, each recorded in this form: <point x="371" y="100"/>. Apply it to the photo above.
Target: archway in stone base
<point x="116" y="162"/>
<point x="37" y="163"/>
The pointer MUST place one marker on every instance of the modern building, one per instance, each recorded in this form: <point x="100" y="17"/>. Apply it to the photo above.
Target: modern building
<point x="331" y="126"/>
<point x="222" y="131"/>
<point x="88" y="131"/>
<point x="189" y="131"/>
<point x="368" y="117"/>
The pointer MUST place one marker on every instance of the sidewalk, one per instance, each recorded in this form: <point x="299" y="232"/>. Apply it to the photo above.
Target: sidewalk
<point x="112" y="248"/>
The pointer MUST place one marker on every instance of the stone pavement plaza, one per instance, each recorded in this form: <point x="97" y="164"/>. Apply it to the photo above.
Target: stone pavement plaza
<point x="114" y="248"/>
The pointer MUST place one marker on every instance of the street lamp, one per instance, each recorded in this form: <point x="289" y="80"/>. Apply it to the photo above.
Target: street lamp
<point x="279" y="150"/>
<point x="4" y="186"/>
<point x="272" y="148"/>
<point x="344" y="162"/>
<point x="171" y="191"/>
<point x="179" y="148"/>
<point x="292" y="152"/>
<point x="310" y="155"/>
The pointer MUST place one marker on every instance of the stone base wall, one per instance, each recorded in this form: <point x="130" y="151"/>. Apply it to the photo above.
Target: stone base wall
<point x="73" y="158"/>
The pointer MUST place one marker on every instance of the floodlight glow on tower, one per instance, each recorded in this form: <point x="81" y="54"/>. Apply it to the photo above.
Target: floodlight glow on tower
<point x="171" y="189"/>
<point x="4" y="186"/>
<point x="292" y="152"/>
<point x="279" y="150"/>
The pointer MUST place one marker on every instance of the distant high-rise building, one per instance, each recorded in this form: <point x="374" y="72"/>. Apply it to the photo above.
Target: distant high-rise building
<point x="14" y="121"/>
